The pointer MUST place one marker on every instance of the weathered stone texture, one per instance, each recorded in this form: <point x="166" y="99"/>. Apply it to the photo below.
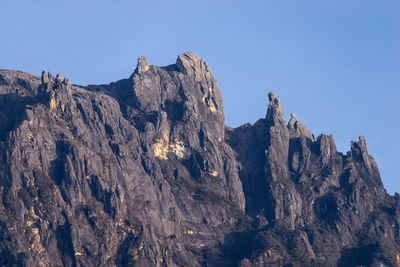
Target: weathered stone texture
<point x="144" y="172"/>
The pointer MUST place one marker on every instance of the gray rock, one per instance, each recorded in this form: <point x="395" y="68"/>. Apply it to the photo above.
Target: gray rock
<point x="297" y="129"/>
<point x="142" y="65"/>
<point x="45" y="77"/>
<point x="59" y="78"/>
<point x="191" y="65"/>
<point x="144" y="172"/>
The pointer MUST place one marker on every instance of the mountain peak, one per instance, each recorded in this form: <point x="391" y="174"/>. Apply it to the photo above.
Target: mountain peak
<point x="146" y="167"/>
<point x="192" y="65"/>
<point x="142" y="65"/>
<point x="297" y="129"/>
<point x="275" y="109"/>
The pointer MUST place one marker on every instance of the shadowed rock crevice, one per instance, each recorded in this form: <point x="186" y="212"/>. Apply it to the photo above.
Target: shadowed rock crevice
<point x="11" y="115"/>
<point x="64" y="244"/>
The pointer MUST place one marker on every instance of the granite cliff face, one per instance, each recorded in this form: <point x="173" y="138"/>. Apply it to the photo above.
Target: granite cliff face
<point x="144" y="172"/>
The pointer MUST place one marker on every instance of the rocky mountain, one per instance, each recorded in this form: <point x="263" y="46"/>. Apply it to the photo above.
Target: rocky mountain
<point x="144" y="172"/>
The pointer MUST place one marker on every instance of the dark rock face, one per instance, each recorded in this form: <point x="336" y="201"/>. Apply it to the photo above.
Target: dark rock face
<point x="143" y="172"/>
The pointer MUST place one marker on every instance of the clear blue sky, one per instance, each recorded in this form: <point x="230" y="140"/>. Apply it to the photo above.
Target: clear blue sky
<point x="336" y="64"/>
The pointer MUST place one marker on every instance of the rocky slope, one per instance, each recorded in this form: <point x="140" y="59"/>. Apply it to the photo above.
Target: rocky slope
<point x="144" y="172"/>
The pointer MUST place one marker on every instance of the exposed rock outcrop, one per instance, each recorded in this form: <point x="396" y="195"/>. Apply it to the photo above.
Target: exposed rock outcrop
<point x="297" y="129"/>
<point x="144" y="172"/>
<point x="143" y="65"/>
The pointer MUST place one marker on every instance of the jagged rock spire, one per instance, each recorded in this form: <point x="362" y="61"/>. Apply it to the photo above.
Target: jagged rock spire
<point x="188" y="63"/>
<point x="142" y="65"/>
<point x="48" y="78"/>
<point x="277" y="139"/>
<point x="192" y="65"/>
<point x="276" y="167"/>
<point x="297" y="129"/>
<point x="45" y="77"/>
<point x="359" y="151"/>
<point x="59" y="78"/>
<point x="327" y="148"/>
<point x="275" y="110"/>
<point x="293" y="118"/>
